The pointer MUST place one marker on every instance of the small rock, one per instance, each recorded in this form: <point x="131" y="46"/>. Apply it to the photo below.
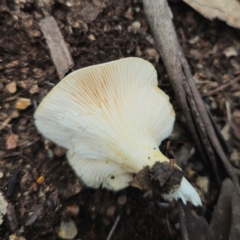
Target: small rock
<point x="73" y="210"/>
<point x="3" y="207"/>
<point x="34" y="89"/>
<point x="235" y="158"/>
<point x="152" y="54"/>
<point x="68" y="229"/>
<point x="59" y="151"/>
<point x="138" y="52"/>
<point x="11" y="87"/>
<point x="6" y="106"/>
<point x="137" y="9"/>
<point x="230" y="52"/>
<point x="129" y="14"/>
<point x="111" y="211"/>
<point x="1" y="174"/>
<point x="22" y="103"/>
<point x="122" y="200"/>
<point x="15" y="114"/>
<point x="203" y="184"/>
<point x="194" y="40"/>
<point x="191" y="174"/>
<point x="91" y="37"/>
<point x="14" y="237"/>
<point x="12" y="64"/>
<point x="11" y="141"/>
<point x="3" y="115"/>
<point x="134" y="27"/>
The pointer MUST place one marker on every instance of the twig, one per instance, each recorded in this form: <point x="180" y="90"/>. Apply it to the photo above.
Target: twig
<point x="222" y="87"/>
<point x="114" y="227"/>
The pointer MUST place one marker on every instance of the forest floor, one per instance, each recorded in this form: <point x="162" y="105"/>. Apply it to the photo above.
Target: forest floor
<point x="106" y="31"/>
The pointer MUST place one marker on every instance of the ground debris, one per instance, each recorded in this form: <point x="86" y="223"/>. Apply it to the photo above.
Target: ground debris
<point x="3" y="207"/>
<point x="68" y="229"/>
<point x="35" y="216"/>
<point x="15" y="237"/>
<point x="60" y="54"/>
<point x="163" y="177"/>
<point x="22" y="103"/>
<point x="12" y="218"/>
<point x="11" y="87"/>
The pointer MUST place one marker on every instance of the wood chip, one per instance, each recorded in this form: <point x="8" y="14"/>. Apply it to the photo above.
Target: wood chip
<point x="11" y="87"/>
<point x="22" y="103"/>
<point x="60" y="54"/>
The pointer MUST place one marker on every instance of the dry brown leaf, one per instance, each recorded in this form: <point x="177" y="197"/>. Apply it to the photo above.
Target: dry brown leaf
<point x="226" y="10"/>
<point x="11" y="141"/>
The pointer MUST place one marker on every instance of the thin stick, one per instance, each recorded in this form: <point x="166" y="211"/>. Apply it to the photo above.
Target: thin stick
<point x="222" y="87"/>
<point x="114" y="227"/>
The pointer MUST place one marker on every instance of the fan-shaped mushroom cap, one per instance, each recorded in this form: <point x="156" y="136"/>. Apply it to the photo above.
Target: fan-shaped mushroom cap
<point x="111" y="117"/>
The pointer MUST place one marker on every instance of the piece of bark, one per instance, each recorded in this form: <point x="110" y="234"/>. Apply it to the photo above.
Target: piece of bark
<point x="60" y="54"/>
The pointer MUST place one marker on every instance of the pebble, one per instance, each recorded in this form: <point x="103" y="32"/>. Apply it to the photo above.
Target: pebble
<point x="138" y="51"/>
<point x="122" y="200"/>
<point x="136" y="25"/>
<point x="67" y="230"/>
<point x="11" y="87"/>
<point x="22" y="103"/>
<point x="73" y="210"/>
<point x="91" y="37"/>
<point x="59" y="151"/>
<point x="14" y="237"/>
<point x="230" y="52"/>
<point x="235" y="158"/>
<point x="111" y="211"/>
<point x="203" y="184"/>
<point x="3" y="207"/>
<point x="152" y="54"/>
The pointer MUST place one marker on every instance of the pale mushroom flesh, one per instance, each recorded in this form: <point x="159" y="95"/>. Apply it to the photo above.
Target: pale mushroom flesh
<point x="111" y="117"/>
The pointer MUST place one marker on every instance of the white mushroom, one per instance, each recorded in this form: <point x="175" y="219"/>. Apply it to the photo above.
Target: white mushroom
<point x="111" y="117"/>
